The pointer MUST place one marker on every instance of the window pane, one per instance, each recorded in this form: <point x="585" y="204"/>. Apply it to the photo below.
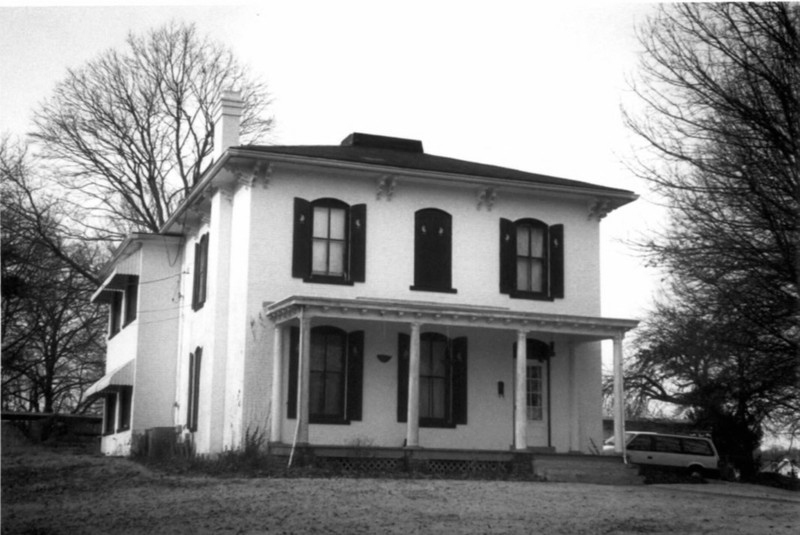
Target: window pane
<point x="523" y="240"/>
<point x="336" y="260"/>
<point x="424" y="360"/>
<point x="640" y="443"/>
<point x="439" y="361"/>
<point x="696" y="447"/>
<point x="316" y="402"/>
<point x="537" y="279"/>
<point x="438" y="391"/>
<point x="319" y="262"/>
<point x="337" y="225"/>
<point x="534" y="392"/>
<point x="333" y="393"/>
<point x="668" y="444"/>
<point x="317" y="356"/>
<point x="320" y="222"/>
<point x="424" y="397"/>
<point x="537" y="242"/>
<point x="335" y="357"/>
<point x="523" y="274"/>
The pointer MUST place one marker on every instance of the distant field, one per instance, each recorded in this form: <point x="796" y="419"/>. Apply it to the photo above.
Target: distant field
<point x="50" y="492"/>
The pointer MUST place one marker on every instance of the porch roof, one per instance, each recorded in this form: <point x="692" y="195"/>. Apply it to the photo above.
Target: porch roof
<point x="112" y="381"/>
<point x="430" y="313"/>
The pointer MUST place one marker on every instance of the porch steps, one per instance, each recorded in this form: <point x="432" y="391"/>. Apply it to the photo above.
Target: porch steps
<point x="598" y="469"/>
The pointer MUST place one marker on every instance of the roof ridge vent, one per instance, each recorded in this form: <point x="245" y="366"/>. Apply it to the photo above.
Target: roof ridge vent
<point x="372" y="141"/>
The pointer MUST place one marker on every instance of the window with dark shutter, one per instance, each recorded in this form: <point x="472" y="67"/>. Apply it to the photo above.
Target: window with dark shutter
<point x="531" y="259"/>
<point x="200" y="273"/>
<point x="433" y="251"/>
<point x="125" y="405"/>
<point x="115" y="313"/>
<point x="131" y="298"/>
<point x="193" y="401"/>
<point x="329" y="241"/>
<point x="110" y="414"/>
<point x="442" y="382"/>
<point x="336" y="375"/>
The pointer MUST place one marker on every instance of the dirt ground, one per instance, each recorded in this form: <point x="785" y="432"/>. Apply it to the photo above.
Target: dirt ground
<point x="50" y="492"/>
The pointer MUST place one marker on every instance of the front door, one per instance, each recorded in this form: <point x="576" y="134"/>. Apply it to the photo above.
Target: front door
<point x="536" y="400"/>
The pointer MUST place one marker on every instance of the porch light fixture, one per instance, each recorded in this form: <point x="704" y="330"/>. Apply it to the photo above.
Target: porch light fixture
<point x="384" y="358"/>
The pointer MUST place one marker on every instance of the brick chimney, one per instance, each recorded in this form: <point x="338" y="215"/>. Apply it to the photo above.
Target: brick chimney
<point x="227" y="117"/>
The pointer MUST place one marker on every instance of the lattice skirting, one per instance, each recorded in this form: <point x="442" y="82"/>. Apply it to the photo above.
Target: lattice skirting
<point x="433" y="466"/>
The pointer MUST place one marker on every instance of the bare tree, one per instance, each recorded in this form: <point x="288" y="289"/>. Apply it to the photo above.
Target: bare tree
<point x="720" y="85"/>
<point x="131" y="131"/>
<point x="53" y="337"/>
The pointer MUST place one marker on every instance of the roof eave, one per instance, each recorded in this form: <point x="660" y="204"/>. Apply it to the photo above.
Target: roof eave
<point x="617" y="197"/>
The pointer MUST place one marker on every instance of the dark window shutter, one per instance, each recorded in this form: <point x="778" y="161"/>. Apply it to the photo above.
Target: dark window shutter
<point x="200" y="272"/>
<point x="301" y="245"/>
<point x="403" y="348"/>
<point x="110" y="412"/>
<point x="508" y="253"/>
<point x="459" y="360"/>
<point x="294" y="361"/>
<point x="125" y="400"/>
<point x="557" y="261"/>
<point x="195" y="360"/>
<point x="433" y="249"/>
<point x="131" y="298"/>
<point x="190" y="397"/>
<point x="196" y="278"/>
<point x="358" y="242"/>
<point x="355" y="374"/>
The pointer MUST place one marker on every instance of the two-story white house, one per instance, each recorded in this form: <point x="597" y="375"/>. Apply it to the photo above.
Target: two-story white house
<point x="368" y="293"/>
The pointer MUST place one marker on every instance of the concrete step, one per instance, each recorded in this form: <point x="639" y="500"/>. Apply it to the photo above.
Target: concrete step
<point x="603" y="470"/>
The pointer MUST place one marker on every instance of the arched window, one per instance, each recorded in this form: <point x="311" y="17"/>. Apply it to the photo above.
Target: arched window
<point x="442" y="380"/>
<point x="531" y="259"/>
<point x="433" y="251"/>
<point x="329" y="241"/>
<point x="531" y="255"/>
<point x="336" y="374"/>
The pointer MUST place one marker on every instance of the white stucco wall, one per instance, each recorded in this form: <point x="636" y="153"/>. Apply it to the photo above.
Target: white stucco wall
<point x="150" y="340"/>
<point x="157" y="319"/>
<point x="250" y="264"/>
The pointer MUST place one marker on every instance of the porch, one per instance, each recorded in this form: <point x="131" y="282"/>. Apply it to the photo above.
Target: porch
<point x="563" y="420"/>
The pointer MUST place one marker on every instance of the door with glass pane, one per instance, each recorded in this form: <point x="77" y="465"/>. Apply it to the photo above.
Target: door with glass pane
<point x="536" y="403"/>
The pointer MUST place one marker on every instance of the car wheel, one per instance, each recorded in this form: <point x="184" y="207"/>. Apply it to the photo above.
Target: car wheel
<point x="696" y="472"/>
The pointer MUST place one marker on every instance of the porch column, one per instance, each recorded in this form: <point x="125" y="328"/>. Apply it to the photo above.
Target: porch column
<point x="574" y="401"/>
<point x="277" y="384"/>
<point x="303" y="380"/>
<point x="412" y="425"/>
<point x="619" y="398"/>
<point x="521" y="403"/>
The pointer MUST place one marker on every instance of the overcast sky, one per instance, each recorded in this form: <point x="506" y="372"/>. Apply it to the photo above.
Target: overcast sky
<point x="515" y="84"/>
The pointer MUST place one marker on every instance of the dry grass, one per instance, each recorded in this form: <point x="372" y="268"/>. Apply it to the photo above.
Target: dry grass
<point x="52" y="491"/>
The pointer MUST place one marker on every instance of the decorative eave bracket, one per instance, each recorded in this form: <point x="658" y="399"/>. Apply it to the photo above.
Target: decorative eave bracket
<point x="486" y="197"/>
<point x="247" y="174"/>
<point x="386" y="187"/>
<point x="598" y="208"/>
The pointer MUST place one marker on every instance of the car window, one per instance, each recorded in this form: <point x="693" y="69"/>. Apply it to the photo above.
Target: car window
<point x="668" y="444"/>
<point x="640" y="443"/>
<point x="697" y="446"/>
